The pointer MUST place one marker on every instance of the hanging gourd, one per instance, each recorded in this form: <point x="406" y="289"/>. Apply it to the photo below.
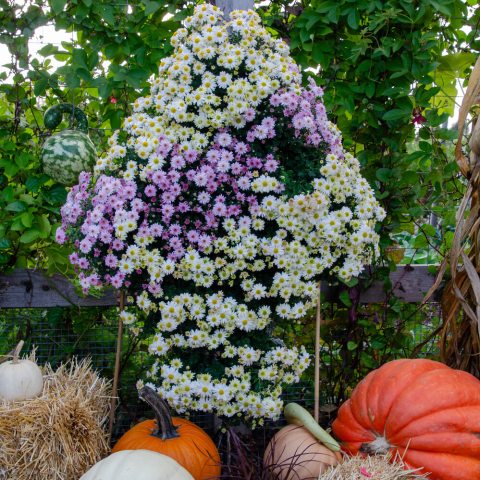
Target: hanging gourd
<point x="422" y="409"/>
<point x="175" y="437"/>
<point x="69" y="152"/>
<point x="20" y="379"/>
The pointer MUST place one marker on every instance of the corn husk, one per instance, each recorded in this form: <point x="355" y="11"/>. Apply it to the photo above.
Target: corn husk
<point x="460" y="336"/>
<point x="374" y="467"/>
<point x="59" y="435"/>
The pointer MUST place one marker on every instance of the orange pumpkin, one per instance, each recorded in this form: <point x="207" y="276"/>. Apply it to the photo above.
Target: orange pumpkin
<point x="427" y="412"/>
<point x="176" y="437"/>
<point x="295" y="454"/>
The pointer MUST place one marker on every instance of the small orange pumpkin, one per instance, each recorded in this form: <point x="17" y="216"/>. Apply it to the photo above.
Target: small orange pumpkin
<point x="176" y="437"/>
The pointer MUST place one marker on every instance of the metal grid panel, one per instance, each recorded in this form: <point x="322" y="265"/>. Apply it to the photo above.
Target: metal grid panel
<point x="60" y="333"/>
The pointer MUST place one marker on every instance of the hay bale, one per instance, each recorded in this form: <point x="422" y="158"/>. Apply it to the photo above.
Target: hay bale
<point x="60" y="434"/>
<point x="378" y="467"/>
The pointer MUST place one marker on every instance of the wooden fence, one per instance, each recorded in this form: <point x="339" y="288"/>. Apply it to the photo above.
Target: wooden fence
<point x="34" y="289"/>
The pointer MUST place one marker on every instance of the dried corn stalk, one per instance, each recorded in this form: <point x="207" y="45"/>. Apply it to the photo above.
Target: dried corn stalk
<point x="460" y="337"/>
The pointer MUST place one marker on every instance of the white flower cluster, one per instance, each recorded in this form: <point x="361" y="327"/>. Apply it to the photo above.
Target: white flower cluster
<point x="194" y="214"/>
<point x="216" y="318"/>
<point x="312" y="235"/>
<point x="208" y="83"/>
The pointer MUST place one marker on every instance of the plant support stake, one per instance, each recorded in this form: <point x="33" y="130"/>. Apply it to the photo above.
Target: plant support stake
<point x="318" y="321"/>
<point x="116" y="375"/>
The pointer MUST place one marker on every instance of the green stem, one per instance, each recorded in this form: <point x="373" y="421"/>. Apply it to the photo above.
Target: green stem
<point x="165" y="430"/>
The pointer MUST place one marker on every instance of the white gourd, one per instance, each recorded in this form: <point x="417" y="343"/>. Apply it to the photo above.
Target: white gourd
<point x="137" y="465"/>
<point x="20" y="379"/>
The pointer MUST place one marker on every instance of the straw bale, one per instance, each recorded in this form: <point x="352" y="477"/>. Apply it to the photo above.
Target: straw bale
<point x="378" y="467"/>
<point x="59" y="435"/>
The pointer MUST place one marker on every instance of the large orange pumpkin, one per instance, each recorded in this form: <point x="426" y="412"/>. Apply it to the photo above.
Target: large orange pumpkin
<point x="426" y="411"/>
<point x="176" y="437"/>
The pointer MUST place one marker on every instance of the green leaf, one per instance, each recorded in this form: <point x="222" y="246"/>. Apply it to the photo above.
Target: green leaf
<point x="55" y="195"/>
<point x="151" y="7"/>
<point x="353" y="18"/>
<point x="10" y="168"/>
<point x="48" y="50"/>
<point x="383" y="174"/>
<point x="429" y="229"/>
<point x="30" y="236"/>
<point x="378" y="344"/>
<point x="396" y="114"/>
<point x="27" y="219"/>
<point x="33" y="184"/>
<point x="43" y="224"/>
<point x="40" y="86"/>
<point x="367" y="360"/>
<point x="420" y="242"/>
<point x="351" y="345"/>
<point x="5" y="243"/>
<point x="442" y="6"/>
<point x="79" y="59"/>
<point x="345" y="298"/>
<point x="23" y="159"/>
<point x="16" y="207"/>
<point x="58" y="5"/>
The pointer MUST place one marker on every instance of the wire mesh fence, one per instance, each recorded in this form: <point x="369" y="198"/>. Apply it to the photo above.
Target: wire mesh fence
<point x="60" y="333"/>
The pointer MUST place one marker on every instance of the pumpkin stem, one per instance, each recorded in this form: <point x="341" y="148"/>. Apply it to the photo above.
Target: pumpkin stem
<point x="16" y="352"/>
<point x="165" y="427"/>
<point x="379" y="446"/>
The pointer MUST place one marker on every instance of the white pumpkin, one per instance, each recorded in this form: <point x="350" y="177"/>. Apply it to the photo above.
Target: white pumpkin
<point x="138" y="465"/>
<point x="20" y="379"/>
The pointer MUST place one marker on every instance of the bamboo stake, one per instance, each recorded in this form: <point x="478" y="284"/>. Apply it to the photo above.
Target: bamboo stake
<point x="316" y="409"/>
<point x="116" y="375"/>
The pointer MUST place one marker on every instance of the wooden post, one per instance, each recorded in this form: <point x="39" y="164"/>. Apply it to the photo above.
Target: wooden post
<point x="116" y="375"/>
<point x="318" y="321"/>
<point x="229" y="5"/>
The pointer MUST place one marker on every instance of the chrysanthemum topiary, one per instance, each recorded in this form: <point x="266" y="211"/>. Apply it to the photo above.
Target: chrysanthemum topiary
<point x="218" y="207"/>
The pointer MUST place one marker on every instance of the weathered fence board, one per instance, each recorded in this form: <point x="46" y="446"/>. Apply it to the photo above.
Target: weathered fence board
<point x="410" y="283"/>
<point x="32" y="288"/>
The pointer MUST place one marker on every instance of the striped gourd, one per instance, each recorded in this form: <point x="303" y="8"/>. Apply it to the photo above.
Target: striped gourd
<point x="69" y="152"/>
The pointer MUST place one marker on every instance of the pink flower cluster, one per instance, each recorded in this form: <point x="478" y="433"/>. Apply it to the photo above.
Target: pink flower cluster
<point x="309" y="117"/>
<point x="184" y="204"/>
<point x="193" y="196"/>
<point x="95" y="212"/>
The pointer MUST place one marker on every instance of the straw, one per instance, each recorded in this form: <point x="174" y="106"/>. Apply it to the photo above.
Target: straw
<point x="59" y="434"/>
<point x="378" y="467"/>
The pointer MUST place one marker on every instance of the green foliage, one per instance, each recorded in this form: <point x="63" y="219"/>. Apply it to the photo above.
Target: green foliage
<point x="359" y="338"/>
<point x="29" y="202"/>
<point x="114" y="49"/>
<point x="388" y="66"/>
<point x="390" y="70"/>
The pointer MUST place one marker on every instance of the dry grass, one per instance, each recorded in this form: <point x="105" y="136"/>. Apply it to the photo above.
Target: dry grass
<point x="60" y="434"/>
<point x="370" y="467"/>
